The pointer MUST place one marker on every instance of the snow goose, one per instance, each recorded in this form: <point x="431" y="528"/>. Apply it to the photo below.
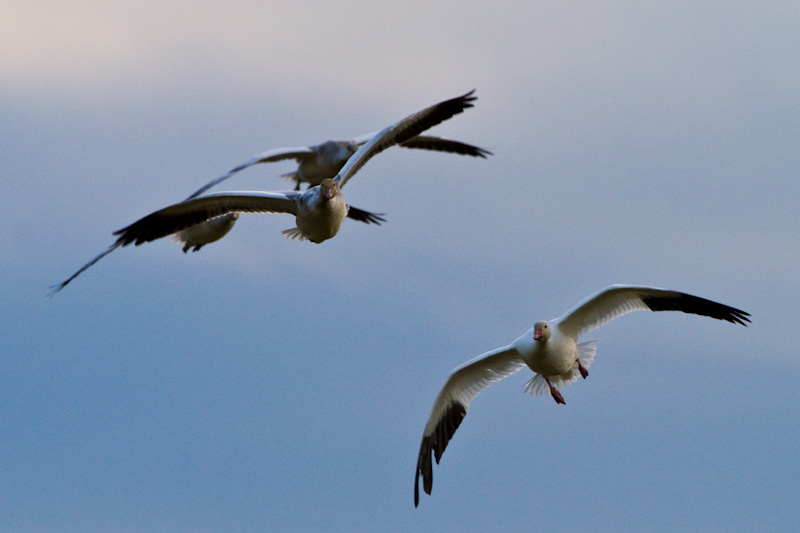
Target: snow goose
<point x="316" y="163"/>
<point x="319" y="211"/>
<point x="551" y="350"/>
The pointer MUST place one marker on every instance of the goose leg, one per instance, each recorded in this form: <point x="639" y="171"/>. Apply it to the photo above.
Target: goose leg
<point x="582" y="370"/>
<point x="554" y="393"/>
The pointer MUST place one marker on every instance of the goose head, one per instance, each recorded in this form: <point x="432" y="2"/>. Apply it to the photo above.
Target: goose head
<point x="328" y="188"/>
<point x="541" y="331"/>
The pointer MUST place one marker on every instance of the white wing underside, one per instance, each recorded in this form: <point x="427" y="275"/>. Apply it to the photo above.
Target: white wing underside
<point x="364" y="138"/>
<point x="373" y="146"/>
<point x="471" y="378"/>
<point x="603" y="307"/>
<point x="243" y="201"/>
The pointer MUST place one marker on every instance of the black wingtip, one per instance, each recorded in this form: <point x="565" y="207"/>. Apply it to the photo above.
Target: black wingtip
<point x="688" y="303"/>
<point x="469" y="97"/>
<point x="437" y="144"/>
<point x="55" y="289"/>
<point x="437" y="114"/>
<point x="435" y="444"/>
<point x="416" y="490"/>
<point x="366" y="217"/>
<point x="128" y="234"/>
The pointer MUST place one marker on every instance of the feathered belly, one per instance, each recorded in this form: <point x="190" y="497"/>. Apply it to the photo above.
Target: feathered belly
<point x="321" y="225"/>
<point x="552" y="361"/>
<point x="208" y="231"/>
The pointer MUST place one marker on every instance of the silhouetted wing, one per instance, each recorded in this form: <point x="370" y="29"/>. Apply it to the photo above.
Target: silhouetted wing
<point x="364" y="216"/>
<point x="437" y="144"/>
<point x="402" y="131"/>
<point x="56" y="288"/>
<point x="180" y="216"/>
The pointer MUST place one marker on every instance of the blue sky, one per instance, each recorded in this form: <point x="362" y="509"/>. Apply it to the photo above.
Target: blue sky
<point x="263" y="383"/>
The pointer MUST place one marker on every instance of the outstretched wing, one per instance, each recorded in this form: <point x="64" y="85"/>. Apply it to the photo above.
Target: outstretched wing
<point x="364" y="216"/>
<point x="56" y="288"/>
<point x="617" y="300"/>
<point x="269" y="156"/>
<point x="450" y="407"/>
<point x="437" y="144"/>
<point x="402" y="131"/>
<point x="180" y="216"/>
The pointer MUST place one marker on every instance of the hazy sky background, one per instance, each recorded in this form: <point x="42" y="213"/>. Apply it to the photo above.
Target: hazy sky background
<point x="266" y="384"/>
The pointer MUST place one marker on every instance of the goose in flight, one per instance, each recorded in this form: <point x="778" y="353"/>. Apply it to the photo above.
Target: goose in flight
<point x="319" y="211"/>
<point x="207" y="231"/>
<point x="316" y="163"/>
<point x="551" y="350"/>
<point x="195" y="237"/>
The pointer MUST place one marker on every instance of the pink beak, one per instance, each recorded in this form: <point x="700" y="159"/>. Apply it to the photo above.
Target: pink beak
<point x="537" y="334"/>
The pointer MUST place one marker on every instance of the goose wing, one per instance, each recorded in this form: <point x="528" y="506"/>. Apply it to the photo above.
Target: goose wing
<point x="617" y="300"/>
<point x="437" y="144"/>
<point x="55" y="288"/>
<point x="450" y="407"/>
<point x="366" y="217"/>
<point x="402" y="131"/>
<point x="188" y="213"/>
<point x="269" y="156"/>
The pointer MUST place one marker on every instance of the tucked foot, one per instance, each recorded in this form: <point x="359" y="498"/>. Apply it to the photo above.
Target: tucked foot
<point x="555" y="394"/>
<point x="582" y="370"/>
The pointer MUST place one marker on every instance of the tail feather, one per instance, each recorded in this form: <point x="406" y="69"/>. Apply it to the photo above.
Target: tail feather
<point x="294" y="234"/>
<point x="536" y="386"/>
<point x="294" y="177"/>
<point x="586" y="352"/>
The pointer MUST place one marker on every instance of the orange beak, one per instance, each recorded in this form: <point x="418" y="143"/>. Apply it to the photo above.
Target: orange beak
<point x="537" y="334"/>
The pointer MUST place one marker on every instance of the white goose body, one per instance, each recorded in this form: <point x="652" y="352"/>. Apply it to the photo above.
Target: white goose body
<point x="556" y="357"/>
<point x="320" y="216"/>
